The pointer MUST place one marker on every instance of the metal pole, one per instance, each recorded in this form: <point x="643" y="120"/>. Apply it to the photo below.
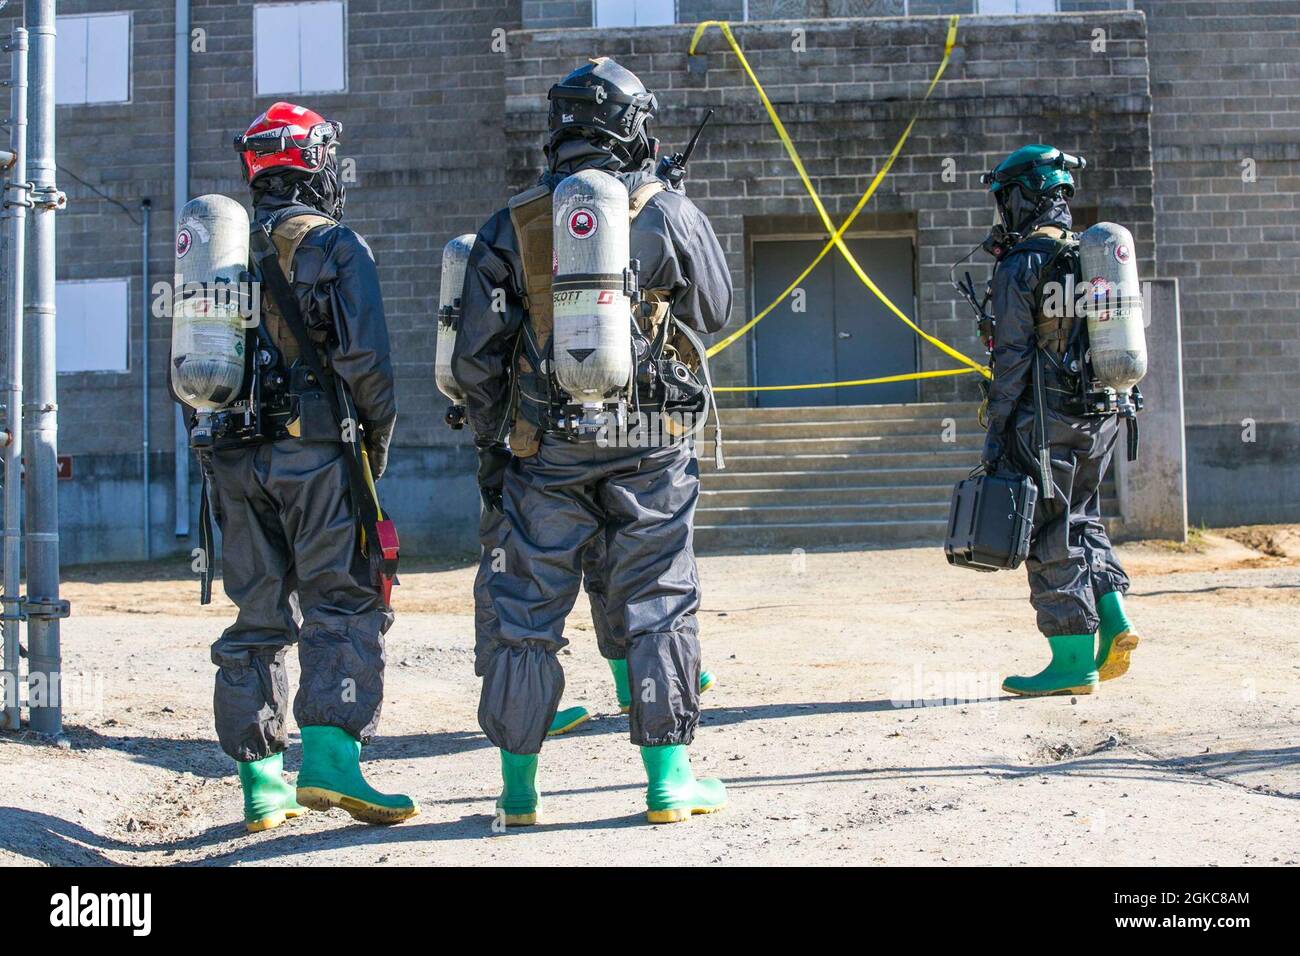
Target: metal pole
<point x="43" y="606"/>
<point x="14" y="218"/>
<point x="146" y="208"/>
<point x="181" y="195"/>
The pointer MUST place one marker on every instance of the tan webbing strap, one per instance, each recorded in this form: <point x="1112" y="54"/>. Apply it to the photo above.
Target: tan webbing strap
<point x="530" y="214"/>
<point x="287" y="237"/>
<point x="655" y="300"/>
<point x="1049" y="231"/>
<point x="642" y="195"/>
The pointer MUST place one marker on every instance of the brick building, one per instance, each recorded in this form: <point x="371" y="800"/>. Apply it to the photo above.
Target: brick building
<point x="1188" y="113"/>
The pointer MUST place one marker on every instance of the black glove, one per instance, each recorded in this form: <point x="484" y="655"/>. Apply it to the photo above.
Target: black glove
<point x="492" y="462"/>
<point x="377" y="438"/>
<point x="995" y="450"/>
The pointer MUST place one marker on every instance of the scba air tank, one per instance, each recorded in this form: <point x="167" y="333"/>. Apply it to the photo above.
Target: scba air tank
<point x="1116" y="322"/>
<point x="455" y="257"/>
<point x="210" y="312"/>
<point x="592" y="311"/>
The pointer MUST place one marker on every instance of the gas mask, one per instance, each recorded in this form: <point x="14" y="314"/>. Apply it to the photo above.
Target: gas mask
<point x="324" y="190"/>
<point x="1000" y="239"/>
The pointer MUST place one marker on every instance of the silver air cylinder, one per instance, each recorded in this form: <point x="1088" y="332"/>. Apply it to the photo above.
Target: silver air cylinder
<point x="1116" y="332"/>
<point x="455" y="257"/>
<point x="209" y="316"/>
<point x="592" y="311"/>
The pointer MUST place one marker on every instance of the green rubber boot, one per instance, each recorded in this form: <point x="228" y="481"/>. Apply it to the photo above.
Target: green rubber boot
<point x="1072" y="670"/>
<point x="268" y="799"/>
<point x="707" y="680"/>
<point x="1116" y="638"/>
<point x="519" y="802"/>
<point x="331" y="777"/>
<point x="624" y="690"/>
<point x="673" y="793"/>
<point x="566" y="719"/>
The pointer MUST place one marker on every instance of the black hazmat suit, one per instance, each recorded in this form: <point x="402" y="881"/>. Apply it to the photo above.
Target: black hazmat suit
<point x="1071" y="561"/>
<point x="636" y="504"/>
<point x="287" y="523"/>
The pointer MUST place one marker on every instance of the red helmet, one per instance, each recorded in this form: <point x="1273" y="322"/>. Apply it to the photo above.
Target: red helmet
<point x="287" y="137"/>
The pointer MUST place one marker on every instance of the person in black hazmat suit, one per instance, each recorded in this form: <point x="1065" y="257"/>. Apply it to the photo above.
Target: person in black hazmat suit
<point x="548" y="497"/>
<point x="284" y="505"/>
<point x="1076" y="582"/>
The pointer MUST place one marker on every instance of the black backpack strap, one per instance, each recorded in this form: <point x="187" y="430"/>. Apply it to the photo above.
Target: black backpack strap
<point x="266" y="258"/>
<point x="209" y="571"/>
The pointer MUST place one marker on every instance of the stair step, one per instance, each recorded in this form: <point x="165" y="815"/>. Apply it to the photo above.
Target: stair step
<point x="930" y="425"/>
<point x="857" y="443"/>
<point x="813" y="535"/>
<point x="825" y="413"/>
<point x="945" y="456"/>
<point x="738" y="516"/>
<point x="795" y="479"/>
<point x="804" y="497"/>
<point x="838" y="476"/>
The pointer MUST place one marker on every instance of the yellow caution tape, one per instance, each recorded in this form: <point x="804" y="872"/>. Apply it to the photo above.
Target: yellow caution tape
<point x="837" y="234"/>
<point x="905" y="377"/>
<point x="374" y="492"/>
<point x="370" y="481"/>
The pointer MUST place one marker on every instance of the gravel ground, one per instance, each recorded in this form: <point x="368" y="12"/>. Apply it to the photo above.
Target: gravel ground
<point x="1190" y="759"/>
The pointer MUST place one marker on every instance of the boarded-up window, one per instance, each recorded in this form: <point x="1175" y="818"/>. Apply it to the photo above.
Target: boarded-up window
<point x="92" y="59"/>
<point x="300" y="47"/>
<point x="635" y="13"/>
<point x="92" y="330"/>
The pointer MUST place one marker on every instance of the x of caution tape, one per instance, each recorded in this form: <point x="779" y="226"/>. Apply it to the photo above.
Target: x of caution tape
<point x="837" y="234"/>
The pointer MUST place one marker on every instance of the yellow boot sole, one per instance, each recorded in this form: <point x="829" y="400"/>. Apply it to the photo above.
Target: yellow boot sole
<point x="273" y="821"/>
<point x="569" y="726"/>
<point x="1081" y="690"/>
<point x="1117" y="658"/>
<point x="520" y="819"/>
<point x="679" y="814"/>
<point x="318" y="798"/>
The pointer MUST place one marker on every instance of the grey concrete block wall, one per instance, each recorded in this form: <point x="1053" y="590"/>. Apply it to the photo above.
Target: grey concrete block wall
<point x="1152" y="491"/>
<point x="442" y="128"/>
<point x="845" y="101"/>
<point x="422" y="123"/>
<point x="1226" y="90"/>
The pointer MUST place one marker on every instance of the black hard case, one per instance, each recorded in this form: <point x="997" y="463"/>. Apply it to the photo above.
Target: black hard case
<point x="990" y="521"/>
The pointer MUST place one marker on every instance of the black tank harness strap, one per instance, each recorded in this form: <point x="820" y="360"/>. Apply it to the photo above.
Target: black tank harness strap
<point x="208" y="572"/>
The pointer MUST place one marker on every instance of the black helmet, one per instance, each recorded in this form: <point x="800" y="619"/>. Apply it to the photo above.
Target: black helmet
<point x="606" y="103"/>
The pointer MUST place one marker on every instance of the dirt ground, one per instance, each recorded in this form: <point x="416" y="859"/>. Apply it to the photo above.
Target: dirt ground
<point x="1190" y="759"/>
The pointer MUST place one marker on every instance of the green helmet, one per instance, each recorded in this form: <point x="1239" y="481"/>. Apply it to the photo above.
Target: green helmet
<point x="1037" y="169"/>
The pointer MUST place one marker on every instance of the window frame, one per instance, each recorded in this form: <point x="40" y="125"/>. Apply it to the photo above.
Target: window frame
<point x="130" y="57"/>
<point x="343" y="5"/>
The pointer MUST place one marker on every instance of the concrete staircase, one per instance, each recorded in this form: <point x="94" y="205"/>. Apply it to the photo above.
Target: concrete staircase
<point x="865" y="475"/>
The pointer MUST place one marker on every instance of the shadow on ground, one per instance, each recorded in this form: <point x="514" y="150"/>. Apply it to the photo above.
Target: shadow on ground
<point x="203" y="758"/>
<point x="55" y="841"/>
